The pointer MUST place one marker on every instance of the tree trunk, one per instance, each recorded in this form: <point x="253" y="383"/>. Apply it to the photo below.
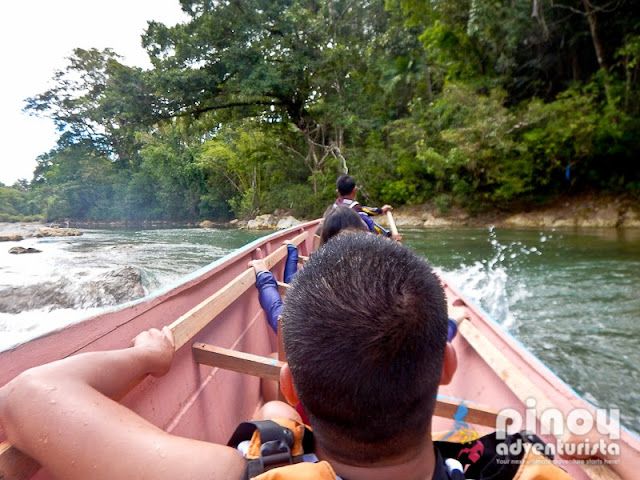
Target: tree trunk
<point x="597" y="45"/>
<point x="595" y="36"/>
<point x="427" y="76"/>
<point x="312" y="161"/>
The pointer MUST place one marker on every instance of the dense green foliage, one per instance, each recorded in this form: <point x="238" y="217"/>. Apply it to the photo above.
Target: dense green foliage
<point x="16" y="205"/>
<point x="257" y="105"/>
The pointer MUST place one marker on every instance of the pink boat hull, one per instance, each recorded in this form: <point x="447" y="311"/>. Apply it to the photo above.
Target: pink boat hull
<point x="207" y="403"/>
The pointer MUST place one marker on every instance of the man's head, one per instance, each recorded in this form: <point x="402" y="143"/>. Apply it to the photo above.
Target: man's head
<point x="340" y="219"/>
<point x="345" y="185"/>
<point x="364" y="330"/>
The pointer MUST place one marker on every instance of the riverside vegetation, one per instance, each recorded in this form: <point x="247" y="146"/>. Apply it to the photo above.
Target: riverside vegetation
<point x="250" y="106"/>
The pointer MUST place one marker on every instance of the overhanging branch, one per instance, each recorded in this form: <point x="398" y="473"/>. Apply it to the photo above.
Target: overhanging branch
<point x="196" y="112"/>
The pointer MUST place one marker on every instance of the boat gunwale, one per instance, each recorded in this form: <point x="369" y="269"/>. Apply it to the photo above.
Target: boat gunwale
<point x="528" y="357"/>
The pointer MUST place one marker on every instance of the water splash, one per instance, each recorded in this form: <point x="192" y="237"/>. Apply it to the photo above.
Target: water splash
<point x="22" y="327"/>
<point x="495" y="282"/>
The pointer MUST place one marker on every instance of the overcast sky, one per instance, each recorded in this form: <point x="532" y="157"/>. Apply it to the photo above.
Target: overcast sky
<point x="35" y="38"/>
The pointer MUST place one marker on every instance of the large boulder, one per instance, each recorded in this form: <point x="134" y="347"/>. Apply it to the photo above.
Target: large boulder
<point x="11" y="237"/>
<point x="111" y="288"/>
<point x="58" y="232"/>
<point x="288" y="222"/>
<point x="261" y="222"/>
<point x="630" y="218"/>
<point x="272" y="222"/>
<point x="106" y="289"/>
<point x="207" y="224"/>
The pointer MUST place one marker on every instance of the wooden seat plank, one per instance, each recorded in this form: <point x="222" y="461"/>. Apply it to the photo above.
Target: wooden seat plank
<point x="282" y="288"/>
<point x="247" y="363"/>
<point x="269" y="368"/>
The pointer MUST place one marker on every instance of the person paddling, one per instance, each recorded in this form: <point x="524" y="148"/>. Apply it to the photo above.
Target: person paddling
<point x="347" y="191"/>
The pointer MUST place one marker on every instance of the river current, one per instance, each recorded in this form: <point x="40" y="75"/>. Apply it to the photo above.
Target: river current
<point x="572" y="297"/>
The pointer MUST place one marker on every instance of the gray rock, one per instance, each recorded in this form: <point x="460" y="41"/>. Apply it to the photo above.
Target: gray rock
<point x="263" y="222"/>
<point x="12" y="237"/>
<point x="272" y="222"/>
<point x="287" y="222"/>
<point x="19" y="250"/>
<point x="19" y="231"/>
<point x="58" y="232"/>
<point x="108" y="289"/>
<point x="207" y="224"/>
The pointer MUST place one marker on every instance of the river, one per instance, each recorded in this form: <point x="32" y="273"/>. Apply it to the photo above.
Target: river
<point x="570" y="296"/>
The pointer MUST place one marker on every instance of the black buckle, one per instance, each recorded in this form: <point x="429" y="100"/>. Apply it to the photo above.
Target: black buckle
<point x="274" y="453"/>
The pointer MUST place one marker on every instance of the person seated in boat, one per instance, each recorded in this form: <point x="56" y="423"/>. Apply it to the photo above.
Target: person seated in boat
<point x="338" y="219"/>
<point x="366" y="350"/>
<point x="335" y="220"/>
<point x="347" y="191"/>
<point x="267" y="285"/>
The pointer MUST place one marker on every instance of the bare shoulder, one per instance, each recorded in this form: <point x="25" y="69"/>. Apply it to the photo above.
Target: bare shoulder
<point x="178" y="457"/>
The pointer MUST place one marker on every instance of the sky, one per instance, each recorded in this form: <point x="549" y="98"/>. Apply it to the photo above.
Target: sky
<point x="35" y="38"/>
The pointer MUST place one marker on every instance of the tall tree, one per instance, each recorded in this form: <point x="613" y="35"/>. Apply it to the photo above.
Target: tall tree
<point x="97" y="101"/>
<point x="281" y="61"/>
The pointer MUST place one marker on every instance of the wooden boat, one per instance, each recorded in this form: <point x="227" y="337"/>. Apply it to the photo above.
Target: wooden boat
<point x="222" y="340"/>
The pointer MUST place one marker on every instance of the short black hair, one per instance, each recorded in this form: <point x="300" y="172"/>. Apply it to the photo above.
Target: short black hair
<point x="339" y="219"/>
<point x="364" y="330"/>
<point x="345" y="184"/>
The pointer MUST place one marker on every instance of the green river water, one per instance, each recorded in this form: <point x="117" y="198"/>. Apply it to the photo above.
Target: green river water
<point x="572" y="297"/>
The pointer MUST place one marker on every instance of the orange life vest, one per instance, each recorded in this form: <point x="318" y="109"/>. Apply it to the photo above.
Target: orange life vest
<point x="275" y="451"/>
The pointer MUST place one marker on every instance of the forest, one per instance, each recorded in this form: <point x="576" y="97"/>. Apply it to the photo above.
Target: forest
<point x="253" y="106"/>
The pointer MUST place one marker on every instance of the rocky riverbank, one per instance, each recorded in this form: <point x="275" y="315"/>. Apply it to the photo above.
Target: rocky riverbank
<point x="14" y="232"/>
<point x="268" y="222"/>
<point x="574" y="212"/>
<point x="581" y="212"/>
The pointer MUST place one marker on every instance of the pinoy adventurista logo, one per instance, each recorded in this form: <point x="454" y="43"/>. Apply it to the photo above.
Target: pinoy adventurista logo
<point x="580" y="433"/>
<point x="466" y="435"/>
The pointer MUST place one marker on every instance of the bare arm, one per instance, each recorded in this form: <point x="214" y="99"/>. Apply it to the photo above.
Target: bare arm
<point x="62" y="414"/>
